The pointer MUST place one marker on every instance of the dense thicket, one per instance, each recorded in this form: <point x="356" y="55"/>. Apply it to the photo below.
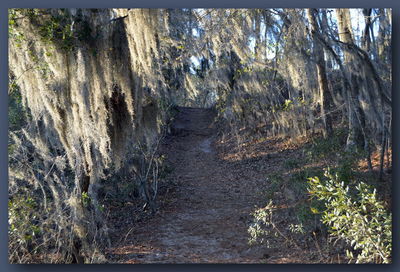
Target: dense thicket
<point x="96" y="88"/>
<point x="96" y="83"/>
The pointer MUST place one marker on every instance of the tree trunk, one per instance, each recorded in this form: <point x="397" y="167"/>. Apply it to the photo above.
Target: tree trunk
<point x="355" y="114"/>
<point x="366" y="41"/>
<point x="257" y="23"/>
<point x="322" y="78"/>
<point x="383" y="40"/>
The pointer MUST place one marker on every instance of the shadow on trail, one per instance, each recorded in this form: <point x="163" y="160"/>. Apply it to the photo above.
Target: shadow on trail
<point x="209" y="216"/>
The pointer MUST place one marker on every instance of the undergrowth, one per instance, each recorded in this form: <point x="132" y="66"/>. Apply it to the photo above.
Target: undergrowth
<point x="355" y="215"/>
<point x="338" y="206"/>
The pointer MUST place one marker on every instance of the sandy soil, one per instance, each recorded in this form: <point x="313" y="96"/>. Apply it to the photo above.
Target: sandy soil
<point x="206" y="217"/>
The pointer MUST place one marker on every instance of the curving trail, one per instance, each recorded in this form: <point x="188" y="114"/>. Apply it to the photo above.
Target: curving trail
<point x="208" y="219"/>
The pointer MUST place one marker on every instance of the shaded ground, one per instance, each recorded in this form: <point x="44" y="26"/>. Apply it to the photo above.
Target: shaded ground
<point x="214" y="186"/>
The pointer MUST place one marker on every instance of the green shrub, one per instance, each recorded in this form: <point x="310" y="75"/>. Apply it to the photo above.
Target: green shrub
<point x="262" y="225"/>
<point x="16" y="112"/>
<point x="322" y="148"/>
<point x="346" y="166"/>
<point x="302" y="175"/>
<point x="265" y="227"/>
<point x="86" y="201"/>
<point x="358" y="218"/>
<point x="291" y="163"/>
<point x="308" y="214"/>
<point x="23" y="230"/>
<point x="298" y="180"/>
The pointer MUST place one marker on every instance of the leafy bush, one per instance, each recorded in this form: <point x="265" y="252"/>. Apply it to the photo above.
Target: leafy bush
<point x="346" y="166"/>
<point x="358" y="218"/>
<point x="16" y="111"/>
<point x="264" y="227"/>
<point x="298" y="178"/>
<point x="308" y="215"/>
<point x="24" y="229"/>
<point x="322" y="148"/>
<point x="333" y="152"/>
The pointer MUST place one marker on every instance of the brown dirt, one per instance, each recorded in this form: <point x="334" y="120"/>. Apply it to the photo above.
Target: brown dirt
<point x="206" y="217"/>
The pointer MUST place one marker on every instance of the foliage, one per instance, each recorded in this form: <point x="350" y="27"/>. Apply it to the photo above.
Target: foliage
<point x="308" y="215"/>
<point x="16" y="111"/>
<point x="346" y="167"/>
<point x="291" y="163"/>
<point x="43" y="217"/>
<point x="360" y="219"/>
<point x="55" y="30"/>
<point x="322" y="148"/>
<point x="56" y="27"/>
<point x="264" y="227"/>
<point x="332" y="151"/>
<point x="23" y="228"/>
<point x="297" y="228"/>
<point x="85" y="199"/>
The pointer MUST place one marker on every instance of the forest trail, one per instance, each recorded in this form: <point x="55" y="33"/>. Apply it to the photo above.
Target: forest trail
<point x="208" y="215"/>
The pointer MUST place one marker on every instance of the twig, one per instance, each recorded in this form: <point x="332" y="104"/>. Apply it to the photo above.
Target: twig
<point x="126" y="236"/>
<point x="317" y="245"/>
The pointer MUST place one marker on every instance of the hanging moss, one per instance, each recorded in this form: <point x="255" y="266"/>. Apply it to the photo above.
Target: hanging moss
<point x="99" y="72"/>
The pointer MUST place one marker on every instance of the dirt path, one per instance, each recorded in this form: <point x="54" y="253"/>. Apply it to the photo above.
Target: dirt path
<point x="208" y="221"/>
